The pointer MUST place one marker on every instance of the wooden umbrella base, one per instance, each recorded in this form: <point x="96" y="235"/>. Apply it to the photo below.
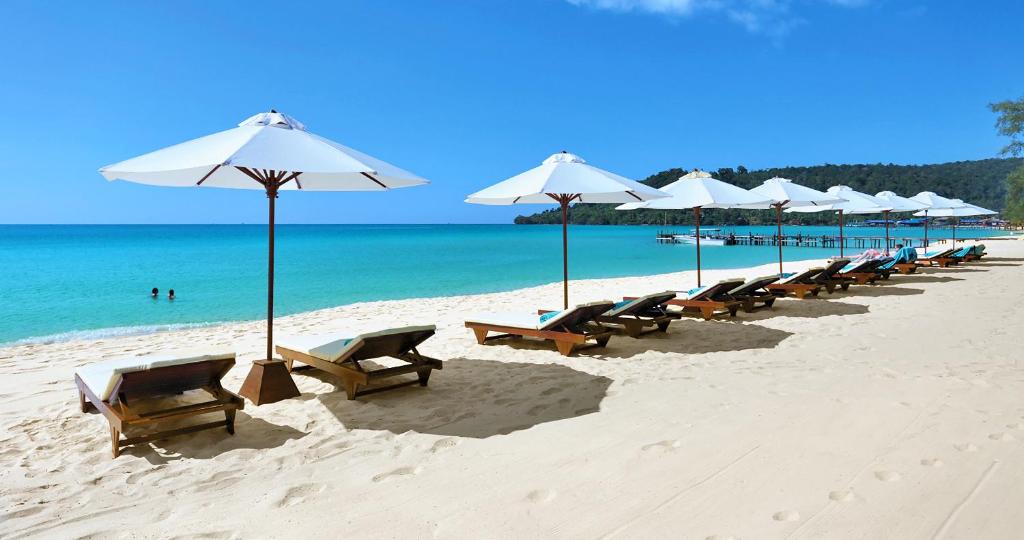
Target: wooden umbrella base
<point x="268" y="382"/>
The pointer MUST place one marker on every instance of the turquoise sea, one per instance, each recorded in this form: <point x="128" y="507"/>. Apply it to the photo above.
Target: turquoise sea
<point x="63" y="281"/>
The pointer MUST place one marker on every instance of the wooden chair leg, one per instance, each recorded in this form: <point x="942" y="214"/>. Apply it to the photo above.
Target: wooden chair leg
<point x="663" y="326"/>
<point x="351" y="387"/>
<point x="229" y="416"/>
<point x="81" y="401"/>
<point x="115" y="441"/>
<point x="564" y="347"/>
<point x="733" y="310"/>
<point x="707" y="313"/>
<point x="481" y="335"/>
<point x="634" y="329"/>
<point x="603" y="341"/>
<point x="800" y="293"/>
<point x="424" y="376"/>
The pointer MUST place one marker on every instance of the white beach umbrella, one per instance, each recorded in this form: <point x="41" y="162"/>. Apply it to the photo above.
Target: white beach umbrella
<point x="964" y="210"/>
<point x="785" y="193"/>
<point x="699" y="190"/>
<point x="898" y="204"/>
<point x="853" y="202"/>
<point x="564" y="178"/>
<point x="932" y="203"/>
<point x="271" y="152"/>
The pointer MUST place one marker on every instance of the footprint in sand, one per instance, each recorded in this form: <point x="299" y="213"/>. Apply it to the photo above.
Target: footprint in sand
<point x="786" y="515"/>
<point x="402" y="471"/>
<point x="1001" y="437"/>
<point x="444" y="444"/>
<point x="932" y="462"/>
<point x="298" y="494"/>
<point x="888" y="476"/>
<point x="842" y="495"/>
<point x="665" y="445"/>
<point x="541" y="495"/>
<point x="1015" y="425"/>
<point x="966" y="447"/>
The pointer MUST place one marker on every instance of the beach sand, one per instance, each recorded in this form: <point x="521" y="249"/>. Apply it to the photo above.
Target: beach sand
<point x="894" y="411"/>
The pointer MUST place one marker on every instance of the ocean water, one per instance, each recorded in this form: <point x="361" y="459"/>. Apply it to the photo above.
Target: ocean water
<point x="83" y="281"/>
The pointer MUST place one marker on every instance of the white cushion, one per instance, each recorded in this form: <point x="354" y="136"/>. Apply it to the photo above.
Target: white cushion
<point x="101" y="377"/>
<point x="331" y="347"/>
<point x="799" y="275"/>
<point x="627" y="306"/>
<point x="527" y="320"/>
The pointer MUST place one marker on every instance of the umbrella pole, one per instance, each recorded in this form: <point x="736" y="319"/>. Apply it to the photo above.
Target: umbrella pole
<point x="925" y="228"/>
<point x="840" y="233"/>
<point x="955" y="221"/>
<point x="271" y="198"/>
<point x="696" y="215"/>
<point x="268" y="380"/>
<point x="564" y="202"/>
<point x="778" y="222"/>
<point x="885" y="215"/>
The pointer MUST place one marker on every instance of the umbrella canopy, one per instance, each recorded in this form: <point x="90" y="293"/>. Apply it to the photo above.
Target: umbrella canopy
<point x="932" y="203"/>
<point x="271" y="152"/>
<point x="699" y="190"/>
<point x="272" y="142"/>
<point x="564" y="178"/>
<point x="785" y="193"/>
<point x="564" y="174"/>
<point x="853" y="202"/>
<point x="964" y="210"/>
<point x="898" y="204"/>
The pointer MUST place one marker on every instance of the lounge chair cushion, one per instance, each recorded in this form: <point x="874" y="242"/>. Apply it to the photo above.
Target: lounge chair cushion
<point x="700" y="292"/>
<point x="103" y="376"/>
<point x="797" y="277"/>
<point x="626" y="306"/>
<point x="331" y="347"/>
<point x="528" y="320"/>
<point x="753" y="285"/>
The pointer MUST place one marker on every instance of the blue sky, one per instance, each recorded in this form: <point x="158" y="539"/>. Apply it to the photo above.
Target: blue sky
<point x="467" y="93"/>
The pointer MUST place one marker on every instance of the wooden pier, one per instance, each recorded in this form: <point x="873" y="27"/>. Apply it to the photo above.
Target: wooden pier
<point x="805" y="240"/>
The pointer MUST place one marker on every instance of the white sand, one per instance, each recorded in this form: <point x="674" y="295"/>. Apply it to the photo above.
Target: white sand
<point x="891" y="412"/>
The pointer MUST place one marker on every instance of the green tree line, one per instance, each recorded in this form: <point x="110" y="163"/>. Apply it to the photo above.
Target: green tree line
<point x="981" y="182"/>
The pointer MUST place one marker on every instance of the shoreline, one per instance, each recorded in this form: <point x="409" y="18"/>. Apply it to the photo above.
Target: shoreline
<point x="111" y="332"/>
<point x="869" y="414"/>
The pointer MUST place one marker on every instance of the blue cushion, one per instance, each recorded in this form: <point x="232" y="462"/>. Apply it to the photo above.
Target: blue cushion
<point x="622" y="304"/>
<point x="548" y="315"/>
<point x="694" y="291"/>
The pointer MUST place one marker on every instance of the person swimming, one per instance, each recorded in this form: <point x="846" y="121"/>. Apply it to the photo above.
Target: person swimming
<point x="155" y="292"/>
<point x="170" y="294"/>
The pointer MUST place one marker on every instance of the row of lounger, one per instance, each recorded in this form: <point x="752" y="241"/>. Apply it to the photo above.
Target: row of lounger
<point x="116" y="388"/>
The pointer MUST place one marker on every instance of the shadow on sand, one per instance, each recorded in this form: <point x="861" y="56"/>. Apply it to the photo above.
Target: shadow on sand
<point x="250" y="433"/>
<point x="922" y="278"/>
<point x="691" y="336"/>
<point x="811" y="308"/>
<point x="882" y="290"/>
<point x="474" y="398"/>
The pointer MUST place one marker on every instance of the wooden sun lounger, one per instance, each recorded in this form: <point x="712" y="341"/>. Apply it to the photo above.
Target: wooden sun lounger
<point x="130" y="387"/>
<point x="642" y="315"/>
<point x="570" y="331"/>
<point x="754" y="294"/>
<point x="799" y="285"/>
<point x="343" y="359"/>
<point x="906" y="268"/>
<point x="830" y="278"/>
<point x="712" y="301"/>
<point x="941" y="259"/>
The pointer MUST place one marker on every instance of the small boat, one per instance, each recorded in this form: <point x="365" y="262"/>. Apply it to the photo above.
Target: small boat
<point x="708" y="237"/>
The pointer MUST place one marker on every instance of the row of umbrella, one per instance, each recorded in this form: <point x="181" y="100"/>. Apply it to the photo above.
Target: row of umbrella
<point x="274" y="152"/>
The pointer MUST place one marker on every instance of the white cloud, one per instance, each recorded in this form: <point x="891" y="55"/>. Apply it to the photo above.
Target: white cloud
<point x="773" y="18"/>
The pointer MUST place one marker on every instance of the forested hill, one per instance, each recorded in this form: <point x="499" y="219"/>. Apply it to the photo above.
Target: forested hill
<point x="980" y="182"/>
